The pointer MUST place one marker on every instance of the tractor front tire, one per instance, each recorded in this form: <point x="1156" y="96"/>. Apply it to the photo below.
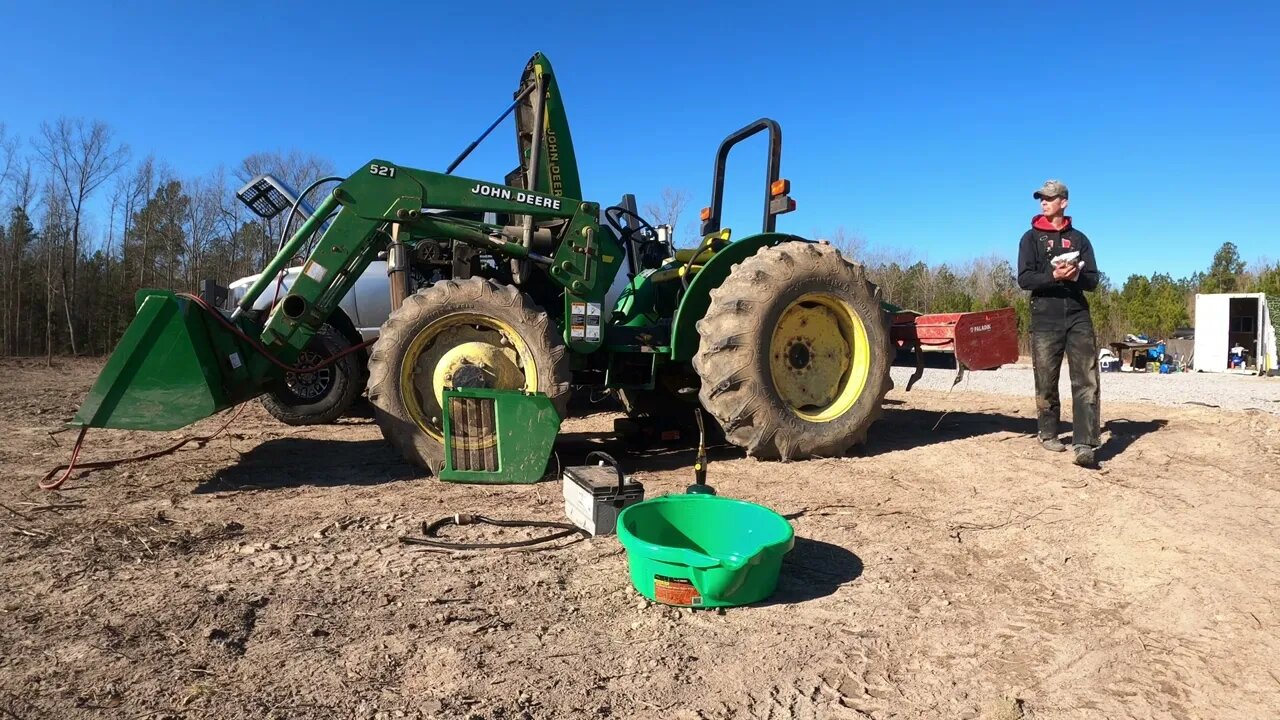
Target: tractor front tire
<point x="794" y="353"/>
<point x="418" y="337"/>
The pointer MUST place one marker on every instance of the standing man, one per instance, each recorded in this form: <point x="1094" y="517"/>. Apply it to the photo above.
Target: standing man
<point x="1060" y="321"/>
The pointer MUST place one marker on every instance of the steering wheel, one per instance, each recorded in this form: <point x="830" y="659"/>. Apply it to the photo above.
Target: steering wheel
<point x="645" y="241"/>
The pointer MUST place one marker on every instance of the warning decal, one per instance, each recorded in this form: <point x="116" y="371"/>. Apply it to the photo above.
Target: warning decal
<point x="675" y="591"/>
<point x="315" y="271"/>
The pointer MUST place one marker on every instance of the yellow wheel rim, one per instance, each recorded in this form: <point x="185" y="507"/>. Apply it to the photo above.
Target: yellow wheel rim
<point x="476" y="364"/>
<point x="431" y="348"/>
<point x="819" y="357"/>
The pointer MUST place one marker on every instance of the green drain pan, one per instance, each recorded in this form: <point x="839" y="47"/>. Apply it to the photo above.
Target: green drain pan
<point x="702" y="550"/>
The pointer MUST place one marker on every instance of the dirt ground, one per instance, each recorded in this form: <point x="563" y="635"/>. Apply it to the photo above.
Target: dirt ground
<point x="952" y="570"/>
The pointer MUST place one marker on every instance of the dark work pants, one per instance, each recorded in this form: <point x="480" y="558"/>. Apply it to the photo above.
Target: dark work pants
<point x="1078" y="343"/>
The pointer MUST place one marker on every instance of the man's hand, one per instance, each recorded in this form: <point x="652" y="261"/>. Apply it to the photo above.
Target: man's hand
<point x="1066" y="272"/>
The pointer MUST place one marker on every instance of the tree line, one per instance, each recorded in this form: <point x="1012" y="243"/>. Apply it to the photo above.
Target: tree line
<point x="1156" y="305"/>
<point x="84" y="224"/>
<point x="68" y="276"/>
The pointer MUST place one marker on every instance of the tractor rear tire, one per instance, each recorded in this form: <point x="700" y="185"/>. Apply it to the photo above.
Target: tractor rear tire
<point x="794" y="353"/>
<point x="443" y="316"/>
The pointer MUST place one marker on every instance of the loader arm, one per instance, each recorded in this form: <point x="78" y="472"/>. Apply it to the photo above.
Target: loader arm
<point x="384" y="198"/>
<point x="181" y="360"/>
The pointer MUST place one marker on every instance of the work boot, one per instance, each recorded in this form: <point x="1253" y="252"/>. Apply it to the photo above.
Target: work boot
<point x="1052" y="444"/>
<point x="1084" y="456"/>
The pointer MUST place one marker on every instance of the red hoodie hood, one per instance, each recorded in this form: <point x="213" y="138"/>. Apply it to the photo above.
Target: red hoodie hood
<point x="1040" y="222"/>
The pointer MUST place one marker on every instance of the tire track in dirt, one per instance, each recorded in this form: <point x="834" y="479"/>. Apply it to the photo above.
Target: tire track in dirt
<point x="857" y="679"/>
<point x="850" y="678"/>
<point x="289" y="565"/>
<point x="346" y="546"/>
<point x="799" y="702"/>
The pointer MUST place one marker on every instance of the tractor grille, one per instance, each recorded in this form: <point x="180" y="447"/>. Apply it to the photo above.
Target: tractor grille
<point x="473" y="434"/>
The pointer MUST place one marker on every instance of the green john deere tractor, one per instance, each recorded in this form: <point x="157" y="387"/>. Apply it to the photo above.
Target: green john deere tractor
<point x="781" y="340"/>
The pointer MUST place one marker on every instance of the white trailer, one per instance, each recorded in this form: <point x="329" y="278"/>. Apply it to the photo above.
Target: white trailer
<point x="1227" y="320"/>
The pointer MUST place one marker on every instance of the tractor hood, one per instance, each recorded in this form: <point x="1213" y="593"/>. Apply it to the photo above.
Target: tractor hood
<point x="558" y="166"/>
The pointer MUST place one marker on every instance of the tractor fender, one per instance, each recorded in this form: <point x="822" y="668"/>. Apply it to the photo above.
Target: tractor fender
<point x="697" y="299"/>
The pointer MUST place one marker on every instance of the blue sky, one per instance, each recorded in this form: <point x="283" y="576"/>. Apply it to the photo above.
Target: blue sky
<point x="922" y="127"/>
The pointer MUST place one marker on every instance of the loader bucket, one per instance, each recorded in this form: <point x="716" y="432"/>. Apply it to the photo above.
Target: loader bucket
<point x="169" y="369"/>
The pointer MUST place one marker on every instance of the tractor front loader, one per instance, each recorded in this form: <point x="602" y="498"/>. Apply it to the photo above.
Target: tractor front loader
<point x="781" y="340"/>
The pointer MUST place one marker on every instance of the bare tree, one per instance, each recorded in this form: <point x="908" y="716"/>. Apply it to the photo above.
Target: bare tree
<point x="9" y="261"/>
<point x="231" y="216"/>
<point x="668" y="209"/>
<point x="130" y="195"/>
<point x="52" y="240"/>
<point x="8" y="156"/>
<point x="138" y="188"/>
<point x="80" y="157"/>
<point x="295" y="168"/>
<point x="19" y="208"/>
<point x="851" y="245"/>
<point x="202" y="215"/>
<point x="989" y="279"/>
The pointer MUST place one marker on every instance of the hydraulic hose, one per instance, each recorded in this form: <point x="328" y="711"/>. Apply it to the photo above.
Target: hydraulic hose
<point x="284" y="230"/>
<point x="429" y="531"/>
<point x="262" y="350"/>
<point x="48" y="483"/>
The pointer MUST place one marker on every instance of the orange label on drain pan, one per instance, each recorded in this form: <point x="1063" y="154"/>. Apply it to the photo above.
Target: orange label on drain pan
<point x="675" y="591"/>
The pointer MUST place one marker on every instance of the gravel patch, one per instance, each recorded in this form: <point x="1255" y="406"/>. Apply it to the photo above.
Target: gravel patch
<point x="1222" y="390"/>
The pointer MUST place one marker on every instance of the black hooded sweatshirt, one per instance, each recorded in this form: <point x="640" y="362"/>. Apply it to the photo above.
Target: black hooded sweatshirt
<point x="1055" y="304"/>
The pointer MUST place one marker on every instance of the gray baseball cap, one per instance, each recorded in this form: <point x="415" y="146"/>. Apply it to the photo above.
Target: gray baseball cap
<point x="1051" y="188"/>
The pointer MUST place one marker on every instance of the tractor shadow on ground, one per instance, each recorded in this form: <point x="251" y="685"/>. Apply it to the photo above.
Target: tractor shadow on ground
<point x="308" y="462"/>
<point x="573" y="448"/>
<point x="906" y="428"/>
<point x="360" y="411"/>
<point x="812" y="570"/>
